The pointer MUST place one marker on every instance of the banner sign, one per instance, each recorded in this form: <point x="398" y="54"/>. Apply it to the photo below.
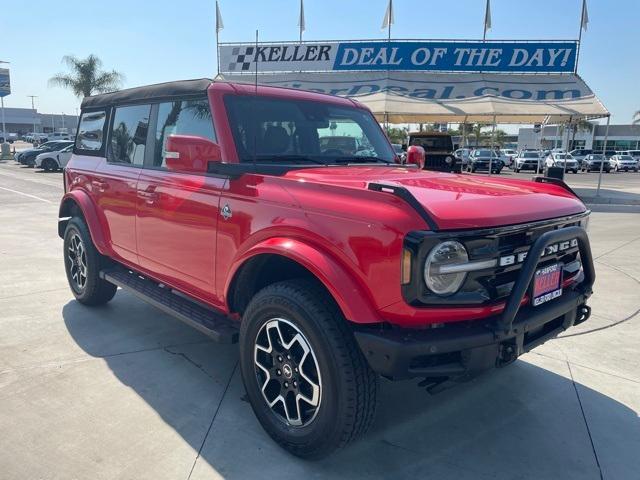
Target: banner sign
<point x="5" y="83"/>
<point x="439" y="87"/>
<point x="395" y="55"/>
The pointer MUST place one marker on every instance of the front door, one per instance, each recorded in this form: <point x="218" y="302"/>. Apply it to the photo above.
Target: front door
<point x="177" y="213"/>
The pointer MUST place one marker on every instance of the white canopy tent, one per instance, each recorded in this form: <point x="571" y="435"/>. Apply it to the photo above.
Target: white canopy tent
<point x="419" y="97"/>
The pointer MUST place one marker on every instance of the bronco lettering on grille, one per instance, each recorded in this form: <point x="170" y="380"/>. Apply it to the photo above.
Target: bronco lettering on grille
<point x="515" y="258"/>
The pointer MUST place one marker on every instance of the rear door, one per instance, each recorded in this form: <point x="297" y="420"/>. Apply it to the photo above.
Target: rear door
<point x="178" y="212"/>
<point x="114" y="182"/>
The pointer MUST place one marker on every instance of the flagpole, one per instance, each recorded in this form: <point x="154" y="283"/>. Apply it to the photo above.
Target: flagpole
<point x="584" y="3"/>
<point x="218" y="38"/>
<point x="486" y="12"/>
<point x="301" y="19"/>
<point x="390" y="17"/>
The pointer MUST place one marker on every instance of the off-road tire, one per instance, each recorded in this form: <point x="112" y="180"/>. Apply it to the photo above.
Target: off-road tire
<point x="348" y="385"/>
<point x="95" y="291"/>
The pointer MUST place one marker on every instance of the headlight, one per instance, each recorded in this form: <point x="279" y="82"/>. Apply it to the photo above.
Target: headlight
<point x="443" y="254"/>
<point x="584" y="223"/>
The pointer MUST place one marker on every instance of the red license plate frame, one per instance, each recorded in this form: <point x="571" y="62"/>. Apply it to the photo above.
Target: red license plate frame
<point x="546" y="284"/>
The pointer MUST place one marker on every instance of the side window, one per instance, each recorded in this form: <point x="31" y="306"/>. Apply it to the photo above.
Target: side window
<point x="129" y="134"/>
<point x="90" y="131"/>
<point x="183" y="117"/>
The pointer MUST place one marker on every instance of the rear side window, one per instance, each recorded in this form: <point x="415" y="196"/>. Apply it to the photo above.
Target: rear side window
<point x="129" y="134"/>
<point x="91" y="131"/>
<point x="181" y="117"/>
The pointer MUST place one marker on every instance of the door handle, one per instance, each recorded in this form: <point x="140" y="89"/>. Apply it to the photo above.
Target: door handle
<point x="149" y="194"/>
<point x="100" y="185"/>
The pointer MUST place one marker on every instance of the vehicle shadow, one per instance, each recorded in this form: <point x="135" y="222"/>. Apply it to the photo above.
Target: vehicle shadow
<point x="523" y="421"/>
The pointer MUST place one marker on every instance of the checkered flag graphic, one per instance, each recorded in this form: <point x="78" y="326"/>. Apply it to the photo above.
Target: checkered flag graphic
<point x="244" y="57"/>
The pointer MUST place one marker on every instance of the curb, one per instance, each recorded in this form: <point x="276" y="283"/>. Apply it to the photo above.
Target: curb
<point x="608" y="201"/>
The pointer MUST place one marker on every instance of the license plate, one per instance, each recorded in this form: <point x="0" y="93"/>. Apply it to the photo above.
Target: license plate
<point x="547" y="284"/>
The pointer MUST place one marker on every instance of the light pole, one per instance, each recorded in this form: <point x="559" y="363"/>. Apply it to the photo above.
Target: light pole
<point x="33" y="107"/>
<point x="4" y="128"/>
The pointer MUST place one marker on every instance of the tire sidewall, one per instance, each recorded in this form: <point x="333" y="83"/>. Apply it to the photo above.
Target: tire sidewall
<point x="322" y="428"/>
<point x="76" y="226"/>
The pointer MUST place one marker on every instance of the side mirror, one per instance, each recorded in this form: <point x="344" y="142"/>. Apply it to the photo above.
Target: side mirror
<point x="190" y="153"/>
<point x="416" y="156"/>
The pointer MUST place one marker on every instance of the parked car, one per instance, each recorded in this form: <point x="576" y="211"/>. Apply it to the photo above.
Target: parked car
<point x="579" y="153"/>
<point x="58" y="136"/>
<point x="559" y="160"/>
<point x="329" y="270"/>
<point x="507" y="155"/>
<point x="8" y="137"/>
<point x="438" y="147"/>
<point x="593" y="162"/>
<point x="483" y="159"/>
<point x="28" y="157"/>
<point x="528" y="160"/>
<point x="462" y="157"/>
<point x="623" y="162"/>
<point x="54" y="160"/>
<point x="635" y="154"/>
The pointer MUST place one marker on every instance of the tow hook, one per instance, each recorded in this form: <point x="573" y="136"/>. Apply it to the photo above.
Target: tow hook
<point x="583" y="314"/>
<point x="507" y="353"/>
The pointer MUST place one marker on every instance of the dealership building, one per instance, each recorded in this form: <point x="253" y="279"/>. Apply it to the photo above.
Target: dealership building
<point x="620" y="137"/>
<point x="23" y="120"/>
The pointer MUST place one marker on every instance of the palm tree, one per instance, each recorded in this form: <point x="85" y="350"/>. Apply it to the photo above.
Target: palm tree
<point x="86" y="77"/>
<point x="477" y="132"/>
<point x="636" y="118"/>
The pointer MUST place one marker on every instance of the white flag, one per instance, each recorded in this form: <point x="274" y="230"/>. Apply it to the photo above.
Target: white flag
<point x="487" y="17"/>
<point x="388" y="16"/>
<point x="585" y="15"/>
<point x="301" y="23"/>
<point x="219" y="23"/>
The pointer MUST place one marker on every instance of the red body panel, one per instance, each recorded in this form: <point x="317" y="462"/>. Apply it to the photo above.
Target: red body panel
<point x="168" y="225"/>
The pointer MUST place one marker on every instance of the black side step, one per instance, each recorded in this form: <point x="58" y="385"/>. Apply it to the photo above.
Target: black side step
<point x="208" y="321"/>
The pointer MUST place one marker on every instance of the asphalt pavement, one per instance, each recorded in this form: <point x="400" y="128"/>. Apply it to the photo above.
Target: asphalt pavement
<point x="125" y="391"/>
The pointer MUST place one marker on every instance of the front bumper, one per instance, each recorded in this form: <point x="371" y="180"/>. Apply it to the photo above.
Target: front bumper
<point x="459" y="351"/>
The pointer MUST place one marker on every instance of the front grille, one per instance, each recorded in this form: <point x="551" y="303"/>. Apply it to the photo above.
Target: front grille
<point x="490" y="285"/>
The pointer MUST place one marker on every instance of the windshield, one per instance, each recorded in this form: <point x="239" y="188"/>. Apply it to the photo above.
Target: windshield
<point x="484" y="153"/>
<point x="626" y="157"/>
<point x="595" y="157"/>
<point x="432" y="143"/>
<point x="300" y="131"/>
<point x="562" y="156"/>
<point x="530" y="155"/>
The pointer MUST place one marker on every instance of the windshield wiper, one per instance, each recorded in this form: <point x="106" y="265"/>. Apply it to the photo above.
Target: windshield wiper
<point x="360" y="159"/>
<point x="289" y="158"/>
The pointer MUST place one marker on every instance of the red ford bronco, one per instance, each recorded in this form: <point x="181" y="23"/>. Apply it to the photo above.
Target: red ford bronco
<point x="222" y="205"/>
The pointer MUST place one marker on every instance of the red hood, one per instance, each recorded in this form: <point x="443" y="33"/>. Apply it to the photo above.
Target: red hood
<point x="459" y="201"/>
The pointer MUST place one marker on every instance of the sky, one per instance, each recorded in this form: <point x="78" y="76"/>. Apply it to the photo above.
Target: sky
<point x="165" y="40"/>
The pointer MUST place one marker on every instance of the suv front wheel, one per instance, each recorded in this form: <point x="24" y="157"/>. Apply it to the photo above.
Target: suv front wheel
<point x="82" y="263"/>
<point x="306" y="379"/>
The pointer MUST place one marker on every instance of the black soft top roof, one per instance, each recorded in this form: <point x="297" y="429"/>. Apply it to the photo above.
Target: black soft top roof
<point x="159" y="91"/>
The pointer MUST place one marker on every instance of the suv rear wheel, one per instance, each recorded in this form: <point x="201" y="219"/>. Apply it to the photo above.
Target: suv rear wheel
<point x="49" y="165"/>
<point x="82" y="263"/>
<point x="306" y="379"/>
